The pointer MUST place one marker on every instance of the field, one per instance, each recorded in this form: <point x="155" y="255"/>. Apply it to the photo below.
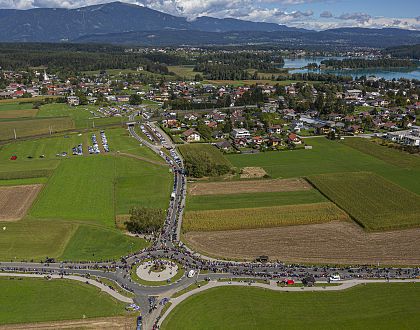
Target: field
<point x="35" y="126"/>
<point x="388" y="155"/>
<point x="8" y="114"/>
<point x="37" y="300"/>
<point x="366" y="307"/>
<point x="372" y="201"/>
<point x="16" y="200"/>
<point x="338" y="242"/>
<point x="80" y="189"/>
<point x="253" y="200"/>
<point x="93" y="243"/>
<point x="329" y="157"/>
<point x="262" y="217"/>
<point x="183" y="71"/>
<point x="73" y="217"/>
<point x="254" y="186"/>
<point x="26" y="240"/>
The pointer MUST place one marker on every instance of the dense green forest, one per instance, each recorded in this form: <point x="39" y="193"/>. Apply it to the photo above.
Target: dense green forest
<point x="235" y="66"/>
<point x="412" y="51"/>
<point x="361" y="63"/>
<point x="68" y="58"/>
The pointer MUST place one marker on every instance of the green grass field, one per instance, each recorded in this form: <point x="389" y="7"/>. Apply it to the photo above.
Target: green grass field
<point x="37" y="300"/>
<point x="251" y="200"/>
<point x="120" y="140"/>
<point x="48" y="147"/>
<point x="95" y="243"/>
<point x="372" y="201"/>
<point x="262" y="217"/>
<point x="80" y="189"/>
<point x="74" y="215"/>
<point x="26" y="240"/>
<point x="9" y="106"/>
<point x="388" y="155"/>
<point x="80" y="115"/>
<point x="374" y="306"/>
<point x="35" y="126"/>
<point x="329" y="157"/>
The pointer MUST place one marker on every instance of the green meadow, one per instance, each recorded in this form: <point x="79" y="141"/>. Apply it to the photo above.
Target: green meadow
<point x="332" y="157"/>
<point x="372" y="306"/>
<point x="38" y="300"/>
<point x="73" y="217"/>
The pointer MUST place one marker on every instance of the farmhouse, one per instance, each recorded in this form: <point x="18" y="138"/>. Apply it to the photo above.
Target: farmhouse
<point x="191" y="135"/>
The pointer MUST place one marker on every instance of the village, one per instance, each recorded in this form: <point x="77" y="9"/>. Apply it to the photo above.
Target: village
<point x="238" y="118"/>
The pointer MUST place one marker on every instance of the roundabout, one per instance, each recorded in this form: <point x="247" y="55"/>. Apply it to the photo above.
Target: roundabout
<point x="157" y="272"/>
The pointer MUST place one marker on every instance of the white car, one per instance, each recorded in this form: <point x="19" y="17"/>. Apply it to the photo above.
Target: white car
<point x="335" y="277"/>
<point x="191" y="273"/>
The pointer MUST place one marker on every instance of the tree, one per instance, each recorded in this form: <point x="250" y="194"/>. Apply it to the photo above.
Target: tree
<point x="135" y="99"/>
<point x="145" y="221"/>
<point x="204" y="130"/>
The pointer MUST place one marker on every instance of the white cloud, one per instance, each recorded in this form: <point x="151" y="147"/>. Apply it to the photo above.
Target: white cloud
<point x="274" y="11"/>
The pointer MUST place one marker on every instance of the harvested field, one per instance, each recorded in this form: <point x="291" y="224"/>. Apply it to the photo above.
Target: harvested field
<point x="238" y="187"/>
<point x="9" y="114"/>
<point x="252" y="173"/>
<point x="374" y="202"/>
<point x="105" y="323"/>
<point x="262" y="217"/>
<point x="334" y="243"/>
<point x="16" y="200"/>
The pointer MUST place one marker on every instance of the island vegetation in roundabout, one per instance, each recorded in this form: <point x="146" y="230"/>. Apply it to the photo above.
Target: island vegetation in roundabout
<point x="157" y="272"/>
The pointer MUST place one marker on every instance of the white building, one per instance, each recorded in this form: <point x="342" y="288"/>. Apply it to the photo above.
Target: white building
<point x="239" y="133"/>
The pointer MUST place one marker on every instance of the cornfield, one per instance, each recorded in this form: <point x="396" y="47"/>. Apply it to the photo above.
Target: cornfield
<point x="372" y="201"/>
<point x="262" y="217"/>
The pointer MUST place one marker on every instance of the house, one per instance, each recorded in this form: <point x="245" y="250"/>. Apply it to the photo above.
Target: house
<point x="73" y="100"/>
<point x="322" y="128"/>
<point x="191" y="135"/>
<point x="122" y="98"/>
<point x="238" y="133"/>
<point x="224" y="145"/>
<point x="294" y="138"/>
<point x="275" y="129"/>
<point x="217" y="135"/>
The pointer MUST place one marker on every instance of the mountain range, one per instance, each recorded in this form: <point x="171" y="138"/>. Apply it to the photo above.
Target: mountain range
<point x="121" y="23"/>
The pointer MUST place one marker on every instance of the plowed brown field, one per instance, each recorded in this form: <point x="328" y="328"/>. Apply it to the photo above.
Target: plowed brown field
<point x="16" y="200"/>
<point x="238" y="187"/>
<point x="105" y="323"/>
<point x="333" y="243"/>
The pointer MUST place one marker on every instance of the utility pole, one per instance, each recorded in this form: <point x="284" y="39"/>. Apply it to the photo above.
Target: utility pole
<point x="14" y="132"/>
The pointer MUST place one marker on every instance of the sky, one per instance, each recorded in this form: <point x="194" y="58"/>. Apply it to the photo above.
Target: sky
<point x="310" y="14"/>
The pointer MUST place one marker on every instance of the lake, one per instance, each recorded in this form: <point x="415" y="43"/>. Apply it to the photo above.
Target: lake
<point x="296" y="65"/>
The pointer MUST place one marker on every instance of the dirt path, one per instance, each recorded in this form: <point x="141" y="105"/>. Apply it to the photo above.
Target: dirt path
<point x="15" y="201"/>
<point x="332" y="243"/>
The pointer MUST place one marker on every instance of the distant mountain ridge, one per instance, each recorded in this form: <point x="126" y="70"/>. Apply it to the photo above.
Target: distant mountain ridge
<point x="123" y="23"/>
